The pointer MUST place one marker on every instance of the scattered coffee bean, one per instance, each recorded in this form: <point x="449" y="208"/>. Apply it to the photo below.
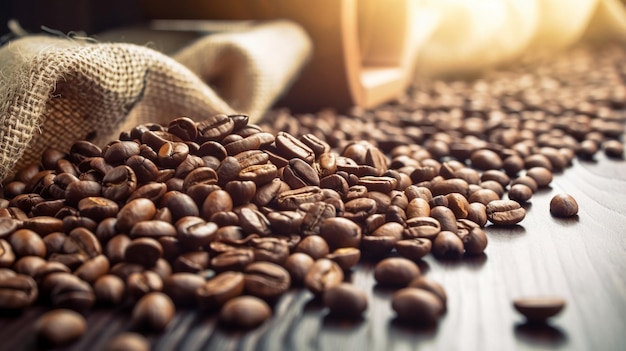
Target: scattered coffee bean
<point x="505" y="212"/>
<point x="417" y="306"/>
<point x="537" y="309"/>
<point x="60" y="327"/>
<point x="395" y="271"/>
<point x="245" y="312"/>
<point x="345" y="300"/>
<point x="563" y="205"/>
<point x="154" y="311"/>
<point x="128" y="341"/>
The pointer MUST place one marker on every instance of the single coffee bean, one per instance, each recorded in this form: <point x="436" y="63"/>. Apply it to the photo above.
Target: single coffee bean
<point x="194" y="232"/>
<point x="235" y="260"/>
<point x="93" y="269"/>
<point x="68" y="291"/>
<point x="298" y="264"/>
<point x="244" y="312"/>
<point x="133" y="212"/>
<point x="417" y="306"/>
<point x="153" y="229"/>
<point x="345" y="257"/>
<point x="447" y="245"/>
<point x="395" y="271"/>
<point x="445" y="217"/>
<point x="458" y="204"/>
<point x="340" y="232"/>
<point x="60" y="327"/>
<point x="418" y="207"/>
<point x="139" y="284"/>
<point x="477" y="213"/>
<point x="314" y="246"/>
<point x="505" y="212"/>
<point x="217" y="201"/>
<point x="292" y="199"/>
<point x="270" y="249"/>
<point x="266" y="280"/>
<point x="25" y="242"/>
<point x="537" y="309"/>
<point x="520" y="193"/>
<point x="425" y="283"/>
<point x="323" y="274"/>
<point x="259" y="174"/>
<point x="119" y="183"/>
<point x="563" y="205"/>
<point x="290" y="147"/>
<point x="345" y="301"/>
<point x="97" y="208"/>
<point x="154" y="311"/>
<point x="109" y="290"/>
<point x="128" y="341"/>
<point x="143" y="251"/>
<point x="241" y="192"/>
<point x="483" y="196"/>
<point x="474" y="241"/>
<point x="118" y="151"/>
<point x="526" y="180"/>
<point x="17" y="292"/>
<point x="413" y="249"/>
<point x="83" y="241"/>
<point x="218" y="290"/>
<point x="454" y="185"/>
<point x="191" y="261"/>
<point x="315" y="214"/>
<point x="179" y="204"/>
<point x="28" y="265"/>
<point x="541" y="175"/>
<point x="613" y="148"/>
<point x="181" y="287"/>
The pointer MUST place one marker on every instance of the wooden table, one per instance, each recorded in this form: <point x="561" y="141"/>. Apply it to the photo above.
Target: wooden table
<point x="581" y="259"/>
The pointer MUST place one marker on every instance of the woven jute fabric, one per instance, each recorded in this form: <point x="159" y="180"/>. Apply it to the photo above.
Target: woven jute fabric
<point x="54" y="91"/>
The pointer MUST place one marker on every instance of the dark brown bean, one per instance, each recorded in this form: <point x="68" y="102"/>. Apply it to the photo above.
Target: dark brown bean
<point x="322" y="275"/>
<point x="244" y="312"/>
<point x="60" y="327"/>
<point x="539" y="308"/>
<point x="505" y="212"/>
<point x="417" y="306"/>
<point x="345" y="301"/>
<point x="220" y="289"/>
<point x="563" y="205"/>
<point x="395" y="271"/>
<point x="154" y="311"/>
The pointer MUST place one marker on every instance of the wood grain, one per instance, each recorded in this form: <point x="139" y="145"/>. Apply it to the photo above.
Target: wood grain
<point x="581" y="259"/>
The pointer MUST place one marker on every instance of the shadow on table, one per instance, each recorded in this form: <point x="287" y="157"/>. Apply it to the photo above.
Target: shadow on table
<point x="540" y="334"/>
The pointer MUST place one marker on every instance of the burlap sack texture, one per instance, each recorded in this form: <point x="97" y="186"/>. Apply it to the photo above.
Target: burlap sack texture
<point x="54" y="91"/>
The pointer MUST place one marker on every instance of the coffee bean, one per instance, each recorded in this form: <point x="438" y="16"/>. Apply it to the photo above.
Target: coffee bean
<point x="7" y="256"/>
<point x="68" y="291"/>
<point x="613" y="149"/>
<point x="447" y="245"/>
<point x="199" y="175"/>
<point x="315" y="215"/>
<point x="97" y="208"/>
<point x="25" y="242"/>
<point x="292" y="199"/>
<point x="109" y="290"/>
<point x="413" y="249"/>
<point x="474" y="241"/>
<point x="179" y="204"/>
<point x="299" y="173"/>
<point x="133" y="212"/>
<point x="218" y="290"/>
<point x="314" y="246"/>
<point x="563" y="205"/>
<point x="215" y="127"/>
<point x="274" y="250"/>
<point x="128" y="341"/>
<point x="340" y="232"/>
<point x="298" y="264"/>
<point x="181" y="287"/>
<point x="539" y="308"/>
<point x="93" y="269"/>
<point x="235" y="260"/>
<point x="425" y="283"/>
<point x="60" y="327"/>
<point x="505" y="212"/>
<point x="421" y="227"/>
<point x="143" y="251"/>
<point x="395" y="271"/>
<point x="266" y="280"/>
<point x="154" y="311"/>
<point x="191" y="261"/>
<point x="291" y="147"/>
<point x="322" y="275"/>
<point x="526" y="180"/>
<point x="244" y="312"/>
<point x="477" y="213"/>
<point x="541" y="175"/>
<point x="28" y="265"/>
<point x="520" y="193"/>
<point x="139" y="284"/>
<point x="417" y="306"/>
<point x="345" y="300"/>
<point x="195" y="232"/>
<point x="17" y="292"/>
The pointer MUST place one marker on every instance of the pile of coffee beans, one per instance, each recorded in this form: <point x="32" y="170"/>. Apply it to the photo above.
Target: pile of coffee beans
<point x="224" y="215"/>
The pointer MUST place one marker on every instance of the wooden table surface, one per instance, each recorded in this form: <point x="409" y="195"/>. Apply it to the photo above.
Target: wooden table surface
<point x="581" y="259"/>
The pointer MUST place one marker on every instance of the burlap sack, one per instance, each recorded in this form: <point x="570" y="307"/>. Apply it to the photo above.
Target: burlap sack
<point x="54" y="91"/>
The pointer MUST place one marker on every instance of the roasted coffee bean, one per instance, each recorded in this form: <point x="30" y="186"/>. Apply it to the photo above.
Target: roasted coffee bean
<point x="448" y="186"/>
<point x="322" y="275"/>
<point x="266" y="280"/>
<point x="395" y="271"/>
<point x="82" y="240"/>
<point x="299" y="173"/>
<point x="345" y="257"/>
<point x="60" y="327"/>
<point x="215" y="128"/>
<point x="154" y="311"/>
<point x="345" y="301"/>
<point x="359" y="209"/>
<point x="115" y="248"/>
<point x="413" y="249"/>
<point x="613" y="149"/>
<point x="7" y="227"/>
<point x="526" y="180"/>
<point x="292" y="199"/>
<point x="217" y="201"/>
<point x="28" y="265"/>
<point x="182" y="287"/>
<point x="218" y="290"/>
<point x="477" y="213"/>
<point x="537" y="160"/>
<point x="98" y="208"/>
<point x="447" y="245"/>
<point x="298" y="264"/>
<point x="93" y="269"/>
<point x="150" y="191"/>
<point x="194" y="232"/>
<point x="315" y="214"/>
<point x="340" y="232"/>
<point x="235" y="260"/>
<point x="520" y="193"/>
<point x="244" y="312"/>
<point x="380" y="184"/>
<point x="316" y="144"/>
<point x="537" y="309"/>
<point x="17" y="292"/>
<point x="153" y="229"/>
<point x="25" y="242"/>
<point x="563" y="205"/>
<point x="200" y="175"/>
<point x="418" y="207"/>
<point x="241" y="192"/>
<point x="49" y="267"/>
<point x="314" y="246"/>
<point x="128" y="341"/>
<point x="474" y="241"/>
<point x="253" y="221"/>
<point x="133" y="212"/>
<point x="180" y="205"/>
<point x="458" y="204"/>
<point x="270" y="249"/>
<point x="183" y="127"/>
<point x="421" y="227"/>
<point x="109" y="289"/>
<point x="541" y="175"/>
<point x="483" y="196"/>
<point x="78" y="190"/>
<point x="192" y="261"/>
<point x="118" y="151"/>
<point x="417" y="306"/>
<point x="285" y="222"/>
<point x="445" y="217"/>
<point x="235" y="144"/>
<point x="139" y="284"/>
<point x="326" y="164"/>
<point x="493" y="186"/>
<point x="425" y="283"/>
<point x="68" y="291"/>
<point x="143" y="251"/>
<point x="505" y="212"/>
<point x="291" y="147"/>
